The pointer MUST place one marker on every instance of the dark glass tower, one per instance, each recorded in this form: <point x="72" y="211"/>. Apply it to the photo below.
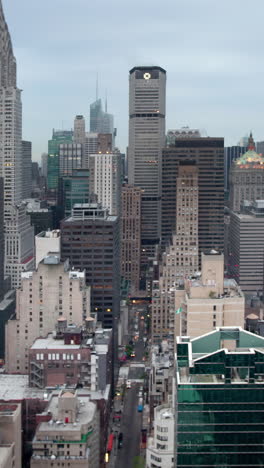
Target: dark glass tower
<point x="220" y="400"/>
<point x="208" y="156"/>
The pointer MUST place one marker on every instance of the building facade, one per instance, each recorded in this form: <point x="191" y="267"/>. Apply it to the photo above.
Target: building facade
<point x="180" y="259"/>
<point x="79" y="129"/>
<point x="160" y="448"/>
<point x="74" y="189"/>
<point x="208" y="300"/>
<point x="2" y="240"/>
<point x="18" y="233"/>
<point x="219" y="395"/>
<point x="90" y="239"/>
<point x="207" y="154"/>
<point x="130" y="226"/>
<point x="53" y="290"/>
<point x="105" y="180"/>
<point x="70" y="158"/>
<point x="147" y="109"/>
<point x="247" y="178"/>
<point x="26" y="169"/>
<point x="246" y="247"/>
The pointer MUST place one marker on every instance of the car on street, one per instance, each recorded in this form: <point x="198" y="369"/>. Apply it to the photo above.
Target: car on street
<point x="120" y="440"/>
<point x="128" y="384"/>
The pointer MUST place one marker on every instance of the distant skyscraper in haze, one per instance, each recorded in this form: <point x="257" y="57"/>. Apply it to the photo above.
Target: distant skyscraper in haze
<point x="44" y="164"/>
<point x="19" y="237"/>
<point x="79" y="129"/>
<point x="100" y="120"/>
<point x="147" y="104"/>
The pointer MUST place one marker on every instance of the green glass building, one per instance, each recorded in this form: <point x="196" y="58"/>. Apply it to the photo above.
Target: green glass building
<point x="58" y="137"/>
<point x="219" y="400"/>
<point x="74" y="189"/>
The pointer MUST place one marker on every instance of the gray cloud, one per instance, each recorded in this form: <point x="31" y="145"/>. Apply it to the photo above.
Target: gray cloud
<point x="213" y="53"/>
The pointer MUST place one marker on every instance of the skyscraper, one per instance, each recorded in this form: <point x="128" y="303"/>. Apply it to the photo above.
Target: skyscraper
<point x="19" y="236"/>
<point x="90" y="239"/>
<point x="105" y="180"/>
<point x="2" y="239"/>
<point x="70" y="158"/>
<point x="147" y="94"/>
<point x="219" y="400"/>
<point x="208" y="155"/>
<point x="180" y="259"/>
<point x="79" y="129"/>
<point x="130" y="234"/>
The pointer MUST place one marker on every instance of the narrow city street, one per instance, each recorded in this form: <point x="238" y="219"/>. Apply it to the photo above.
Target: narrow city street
<point x="131" y="422"/>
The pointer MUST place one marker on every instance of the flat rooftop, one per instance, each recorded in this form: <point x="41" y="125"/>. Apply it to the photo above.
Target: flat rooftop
<point x="51" y="343"/>
<point x="85" y="414"/>
<point x="16" y="387"/>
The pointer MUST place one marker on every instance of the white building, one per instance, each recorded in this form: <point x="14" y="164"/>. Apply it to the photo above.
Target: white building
<point x="160" y="448"/>
<point x="45" y="242"/>
<point x="19" y="237"/>
<point x="105" y="180"/>
<point x="53" y="290"/>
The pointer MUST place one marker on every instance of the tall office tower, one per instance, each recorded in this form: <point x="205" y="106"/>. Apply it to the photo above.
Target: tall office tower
<point x="18" y="232"/>
<point x="2" y="240"/>
<point x="70" y="158"/>
<point x="100" y="120"/>
<point x="79" y="129"/>
<point x="74" y="189"/>
<point x="44" y="165"/>
<point x="232" y="153"/>
<point x="219" y="400"/>
<point x="90" y="239"/>
<point x="208" y="155"/>
<point x="53" y="290"/>
<point x="90" y="147"/>
<point x="246" y="247"/>
<point x="96" y="112"/>
<point x="181" y="258"/>
<point x="130" y="234"/>
<point x="105" y="180"/>
<point x="247" y="177"/>
<point x="26" y="188"/>
<point x="58" y="137"/>
<point x="147" y="95"/>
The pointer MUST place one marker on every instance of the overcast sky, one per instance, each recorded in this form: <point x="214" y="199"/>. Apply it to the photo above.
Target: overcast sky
<point x="212" y="51"/>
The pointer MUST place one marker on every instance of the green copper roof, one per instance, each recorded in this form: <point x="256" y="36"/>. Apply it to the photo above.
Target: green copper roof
<point x="250" y="157"/>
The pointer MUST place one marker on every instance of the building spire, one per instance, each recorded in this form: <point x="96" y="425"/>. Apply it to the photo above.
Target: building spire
<point x="96" y="87"/>
<point x="251" y="143"/>
<point x="106" y="101"/>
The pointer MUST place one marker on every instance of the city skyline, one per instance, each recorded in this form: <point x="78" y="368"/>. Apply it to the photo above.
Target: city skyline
<point x="214" y="75"/>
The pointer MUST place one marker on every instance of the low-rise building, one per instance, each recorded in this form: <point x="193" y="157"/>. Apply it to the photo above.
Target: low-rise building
<point x="72" y="356"/>
<point x="10" y="435"/>
<point x="67" y="433"/>
<point x="161" y="374"/>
